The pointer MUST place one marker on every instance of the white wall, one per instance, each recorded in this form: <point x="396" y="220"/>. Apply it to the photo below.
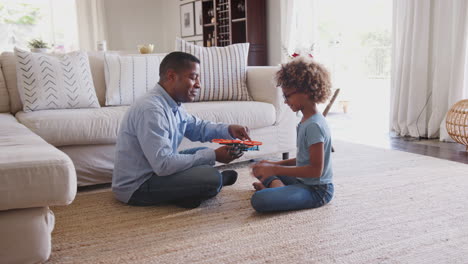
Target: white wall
<point x="133" y="22"/>
<point x="130" y="23"/>
<point x="169" y="24"/>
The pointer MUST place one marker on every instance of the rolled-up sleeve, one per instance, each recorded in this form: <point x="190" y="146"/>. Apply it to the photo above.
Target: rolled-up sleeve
<point x="154" y="135"/>
<point x="202" y="130"/>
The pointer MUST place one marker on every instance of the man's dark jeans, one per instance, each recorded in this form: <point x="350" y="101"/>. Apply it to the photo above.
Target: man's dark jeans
<point x="198" y="183"/>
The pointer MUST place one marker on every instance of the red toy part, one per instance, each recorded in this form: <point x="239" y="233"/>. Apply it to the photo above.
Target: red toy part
<point x="237" y="141"/>
<point x="226" y="141"/>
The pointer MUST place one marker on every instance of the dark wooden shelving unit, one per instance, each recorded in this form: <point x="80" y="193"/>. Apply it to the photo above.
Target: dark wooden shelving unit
<point x="227" y="22"/>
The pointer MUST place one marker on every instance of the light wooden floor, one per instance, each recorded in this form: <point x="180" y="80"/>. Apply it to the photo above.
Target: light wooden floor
<point x="375" y="132"/>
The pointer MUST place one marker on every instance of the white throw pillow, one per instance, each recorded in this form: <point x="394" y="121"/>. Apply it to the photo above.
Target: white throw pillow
<point x="130" y="76"/>
<point x="54" y="81"/>
<point x="223" y="71"/>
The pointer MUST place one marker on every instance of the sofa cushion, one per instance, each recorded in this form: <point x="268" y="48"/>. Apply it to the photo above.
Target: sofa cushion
<point x="69" y="127"/>
<point x="4" y="99"/>
<point x="8" y="61"/>
<point x="26" y="235"/>
<point x="96" y="63"/>
<point x="223" y="71"/>
<point x="32" y="172"/>
<point x="75" y="126"/>
<point x="130" y="76"/>
<point x="248" y="113"/>
<point x="54" y="81"/>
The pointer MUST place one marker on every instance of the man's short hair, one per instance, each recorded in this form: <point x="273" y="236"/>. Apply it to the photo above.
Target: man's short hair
<point x="177" y="61"/>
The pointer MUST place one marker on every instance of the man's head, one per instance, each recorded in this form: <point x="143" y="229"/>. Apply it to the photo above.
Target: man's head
<point x="179" y="76"/>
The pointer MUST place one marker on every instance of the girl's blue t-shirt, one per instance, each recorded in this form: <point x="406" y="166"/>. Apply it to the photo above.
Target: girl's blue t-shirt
<point x="311" y="131"/>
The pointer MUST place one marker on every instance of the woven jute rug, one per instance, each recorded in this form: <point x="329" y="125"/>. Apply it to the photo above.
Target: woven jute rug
<point x="389" y="207"/>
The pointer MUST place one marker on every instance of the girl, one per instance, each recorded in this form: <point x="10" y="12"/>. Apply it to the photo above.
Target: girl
<point x="305" y="181"/>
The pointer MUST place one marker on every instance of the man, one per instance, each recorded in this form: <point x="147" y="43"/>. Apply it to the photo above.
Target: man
<point x="148" y="168"/>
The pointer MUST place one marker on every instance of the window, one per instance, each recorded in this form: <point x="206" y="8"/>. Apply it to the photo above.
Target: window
<point x="355" y="39"/>
<point x="53" y="21"/>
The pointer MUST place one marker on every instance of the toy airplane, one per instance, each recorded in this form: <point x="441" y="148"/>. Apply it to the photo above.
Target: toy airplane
<point x="239" y="146"/>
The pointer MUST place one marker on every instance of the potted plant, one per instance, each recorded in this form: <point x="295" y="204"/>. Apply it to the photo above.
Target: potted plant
<point x="37" y="45"/>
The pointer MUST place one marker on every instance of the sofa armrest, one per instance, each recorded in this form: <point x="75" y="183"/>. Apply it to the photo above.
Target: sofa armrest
<point x="33" y="173"/>
<point x="262" y="88"/>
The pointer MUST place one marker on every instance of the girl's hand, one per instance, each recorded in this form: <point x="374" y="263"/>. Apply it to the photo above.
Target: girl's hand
<point x="263" y="170"/>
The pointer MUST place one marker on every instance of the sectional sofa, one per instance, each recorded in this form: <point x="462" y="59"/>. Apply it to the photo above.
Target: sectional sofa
<point x="46" y="154"/>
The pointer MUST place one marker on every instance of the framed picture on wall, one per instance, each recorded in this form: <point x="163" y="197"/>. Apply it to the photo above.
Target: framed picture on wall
<point x="198" y="18"/>
<point x="187" y="26"/>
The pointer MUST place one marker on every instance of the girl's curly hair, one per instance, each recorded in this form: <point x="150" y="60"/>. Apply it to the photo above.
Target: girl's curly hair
<point x="306" y="76"/>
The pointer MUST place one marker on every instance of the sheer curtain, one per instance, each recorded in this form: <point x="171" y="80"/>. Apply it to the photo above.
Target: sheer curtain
<point x="91" y="23"/>
<point x="429" y="71"/>
<point x="298" y="26"/>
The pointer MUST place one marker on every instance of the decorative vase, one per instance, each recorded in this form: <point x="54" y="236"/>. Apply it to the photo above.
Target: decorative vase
<point x="102" y="45"/>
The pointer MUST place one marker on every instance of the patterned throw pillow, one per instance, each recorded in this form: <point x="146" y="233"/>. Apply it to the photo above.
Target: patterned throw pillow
<point x="54" y="81"/>
<point x="223" y="71"/>
<point x="130" y="76"/>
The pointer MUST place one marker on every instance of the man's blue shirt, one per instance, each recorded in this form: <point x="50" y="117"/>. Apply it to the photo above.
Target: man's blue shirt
<point x="150" y="133"/>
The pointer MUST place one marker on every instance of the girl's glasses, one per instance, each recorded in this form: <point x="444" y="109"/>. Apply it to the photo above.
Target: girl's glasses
<point x="286" y="96"/>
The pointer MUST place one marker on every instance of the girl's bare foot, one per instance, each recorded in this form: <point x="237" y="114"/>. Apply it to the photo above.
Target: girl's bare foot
<point x="258" y="186"/>
<point x="276" y="183"/>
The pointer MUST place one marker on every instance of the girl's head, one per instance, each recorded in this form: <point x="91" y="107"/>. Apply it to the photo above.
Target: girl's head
<point x="303" y="80"/>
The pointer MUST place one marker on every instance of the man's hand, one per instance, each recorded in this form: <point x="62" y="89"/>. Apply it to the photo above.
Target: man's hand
<point x="263" y="169"/>
<point x="240" y="132"/>
<point x="225" y="154"/>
